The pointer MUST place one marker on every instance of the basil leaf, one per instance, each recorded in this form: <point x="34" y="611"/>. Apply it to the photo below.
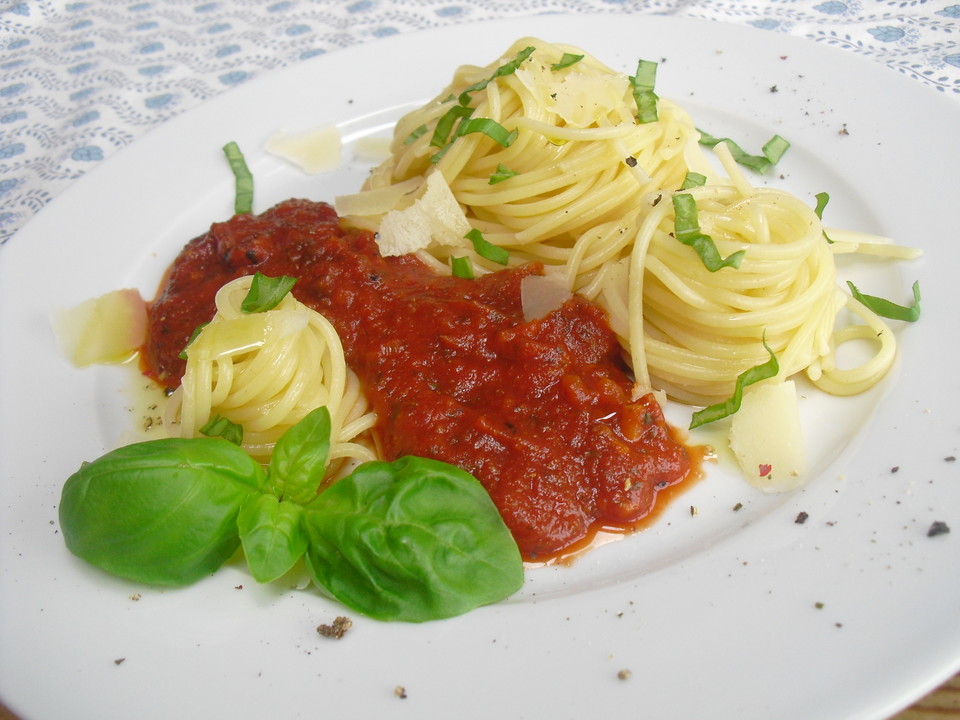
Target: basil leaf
<point x="487" y="249"/>
<point x="412" y="540"/>
<point x="887" y="309"/>
<point x="162" y="511"/>
<point x="502" y="173"/>
<point x="728" y="407"/>
<point x="461" y="267"/>
<point x="222" y="427"/>
<point x="642" y="85"/>
<point x="686" y="226"/>
<point x="271" y="534"/>
<point x="773" y="150"/>
<point x="243" y="194"/>
<point x="566" y="60"/>
<point x="266" y="292"/>
<point x="299" y="458"/>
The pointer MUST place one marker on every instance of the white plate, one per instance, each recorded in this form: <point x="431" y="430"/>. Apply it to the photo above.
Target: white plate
<point x="722" y="613"/>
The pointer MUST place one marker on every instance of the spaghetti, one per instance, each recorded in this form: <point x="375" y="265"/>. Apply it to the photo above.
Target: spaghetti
<point x="586" y="188"/>
<point x="266" y="371"/>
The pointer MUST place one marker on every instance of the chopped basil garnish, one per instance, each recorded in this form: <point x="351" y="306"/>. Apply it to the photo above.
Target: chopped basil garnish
<point x="415" y="134"/>
<point x="223" y="428"/>
<point x="822" y="200"/>
<point x="243" y="198"/>
<point x="693" y="180"/>
<point x="491" y="128"/>
<point x="266" y="292"/>
<point x="728" y="407"/>
<point x="487" y="249"/>
<point x="686" y="227"/>
<point x="772" y="151"/>
<point x="887" y="309"/>
<point x="567" y="60"/>
<point x="502" y="173"/>
<point x="642" y="84"/>
<point x="461" y="267"/>
<point x="505" y="69"/>
<point x="441" y="133"/>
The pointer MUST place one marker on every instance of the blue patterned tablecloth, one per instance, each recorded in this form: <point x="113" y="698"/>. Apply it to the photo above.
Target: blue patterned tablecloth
<point x="79" y="79"/>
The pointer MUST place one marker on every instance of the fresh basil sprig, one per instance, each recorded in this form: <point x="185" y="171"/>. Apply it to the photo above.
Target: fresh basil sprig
<point x="411" y="540"/>
<point x="160" y="512"/>
<point x="377" y="542"/>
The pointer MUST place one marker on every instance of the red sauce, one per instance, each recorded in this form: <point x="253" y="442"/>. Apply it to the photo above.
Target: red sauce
<point x="540" y="412"/>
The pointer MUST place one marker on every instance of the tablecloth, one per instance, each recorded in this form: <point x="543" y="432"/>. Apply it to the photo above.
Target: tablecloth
<point x="81" y="79"/>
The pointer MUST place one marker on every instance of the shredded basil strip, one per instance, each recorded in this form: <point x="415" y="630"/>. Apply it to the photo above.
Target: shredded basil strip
<point x="266" y="292"/>
<point x="505" y="69"/>
<point x="491" y="128"/>
<point x="221" y="427"/>
<point x="642" y="84"/>
<point x="441" y="133"/>
<point x="567" y="60"/>
<point x="415" y="134"/>
<point x="822" y="200"/>
<point x="887" y="309"/>
<point x="773" y="150"/>
<point x="502" y="173"/>
<point x="487" y="249"/>
<point x="686" y="227"/>
<point x="243" y="195"/>
<point x="693" y="180"/>
<point x="730" y="406"/>
<point x="193" y="336"/>
<point x="461" y="267"/>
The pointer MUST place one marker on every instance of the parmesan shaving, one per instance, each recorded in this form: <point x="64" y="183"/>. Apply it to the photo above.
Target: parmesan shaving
<point x="767" y="439"/>
<point x="377" y="201"/>
<point x="106" y="329"/>
<point x="435" y="217"/>
<point x="580" y="99"/>
<point x="314" y="151"/>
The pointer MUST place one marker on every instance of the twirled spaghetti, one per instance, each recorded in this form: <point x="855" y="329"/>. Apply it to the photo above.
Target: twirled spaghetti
<point x="265" y="371"/>
<point x="587" y="190"/>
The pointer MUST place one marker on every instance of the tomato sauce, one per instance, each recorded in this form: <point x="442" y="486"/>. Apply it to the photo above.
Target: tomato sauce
<point x="540" y="412"/>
